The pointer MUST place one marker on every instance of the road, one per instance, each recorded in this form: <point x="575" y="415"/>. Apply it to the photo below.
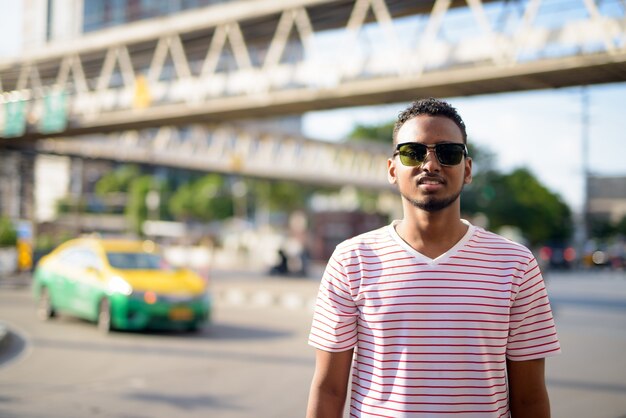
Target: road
<point x="588" y="380"/>
<point x="253" y="361"/>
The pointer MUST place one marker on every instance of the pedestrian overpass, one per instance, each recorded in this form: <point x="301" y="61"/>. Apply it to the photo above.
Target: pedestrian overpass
<point x="230" y="149"/>
<point x="265" y="58"/>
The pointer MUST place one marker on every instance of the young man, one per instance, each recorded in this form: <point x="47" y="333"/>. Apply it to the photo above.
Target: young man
<point x="442" y="318"/>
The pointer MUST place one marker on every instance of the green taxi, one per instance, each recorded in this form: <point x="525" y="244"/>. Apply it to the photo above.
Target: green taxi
<point x="119" y="284"/>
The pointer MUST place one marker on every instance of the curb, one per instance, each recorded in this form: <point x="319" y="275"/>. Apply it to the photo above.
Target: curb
<point x="264" y="298"/>
<point x="15" y="281"/>
<point x="266" y="291"/>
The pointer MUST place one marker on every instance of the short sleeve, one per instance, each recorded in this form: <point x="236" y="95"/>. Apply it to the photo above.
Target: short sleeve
<point x="532" y="332"/>
<point x="334" y="326"/>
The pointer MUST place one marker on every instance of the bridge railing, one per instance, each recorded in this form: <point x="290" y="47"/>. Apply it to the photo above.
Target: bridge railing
<point x="235" y="150"/>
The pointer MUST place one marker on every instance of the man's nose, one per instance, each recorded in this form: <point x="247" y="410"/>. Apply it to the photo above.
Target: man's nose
<point x="431" y="162"/>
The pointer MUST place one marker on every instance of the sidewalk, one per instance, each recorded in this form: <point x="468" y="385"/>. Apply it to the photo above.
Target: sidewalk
<point x="258" y="289"/>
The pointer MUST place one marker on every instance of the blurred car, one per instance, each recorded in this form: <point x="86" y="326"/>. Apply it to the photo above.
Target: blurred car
<point x="603" y="255"/>
<point x="119" y="284"/>
<point x="557" y="256"/>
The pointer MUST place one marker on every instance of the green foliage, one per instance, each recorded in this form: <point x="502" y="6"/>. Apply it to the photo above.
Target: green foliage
<point x="118" y="180"/>
<point x="47" y="242"/>
<point x="380" y="133"/>
<point x="137" y="209"/>
<point x="181" y="202"/>
<point x="44" y="242"/>
<point x="8" y="234"/>
<point x="600" y="227"/>
<point x="207" y="198"/>
<point x="288" y="196"/>
<point x="519" y="199"/>
<point x="368" y="201"/>
<point x="603" y="228"/>
<point x="71" y="204"/>
<point x="279" y="195"/>
<point x="620" y="227"/>
<point x="211" y="200"/>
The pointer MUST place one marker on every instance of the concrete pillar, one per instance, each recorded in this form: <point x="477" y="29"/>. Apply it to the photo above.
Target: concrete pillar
<point x="66" y="19"/>
<point x="12" y="179"/>
<point x="27" y="186"/>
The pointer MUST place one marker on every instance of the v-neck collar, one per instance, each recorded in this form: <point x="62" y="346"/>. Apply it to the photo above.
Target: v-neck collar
<point x="421" y="257"/>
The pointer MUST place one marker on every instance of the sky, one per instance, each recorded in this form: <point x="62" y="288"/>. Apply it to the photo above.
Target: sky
<point x="10" y="27"/>
<point x="540" y="130"/>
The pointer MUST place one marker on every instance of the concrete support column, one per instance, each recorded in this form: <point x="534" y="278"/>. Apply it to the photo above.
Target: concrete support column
<point x="27" y="186"/>
<point x="16" y="185"/>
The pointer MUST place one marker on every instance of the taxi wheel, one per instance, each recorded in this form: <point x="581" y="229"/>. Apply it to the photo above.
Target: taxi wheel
<point x="45" y="310"/>
<point x="104" y="316"/>
<point x="193" y="328"/>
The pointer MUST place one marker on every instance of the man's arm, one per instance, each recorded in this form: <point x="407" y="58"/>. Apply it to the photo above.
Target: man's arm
<point x="528" y="396"/>
<point x="330" y="384"/>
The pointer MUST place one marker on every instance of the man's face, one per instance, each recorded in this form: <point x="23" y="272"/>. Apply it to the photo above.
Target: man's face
<point x="430" y="186"/>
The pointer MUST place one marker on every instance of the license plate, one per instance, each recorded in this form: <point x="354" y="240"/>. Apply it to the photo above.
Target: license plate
<point x="181" y="314"/>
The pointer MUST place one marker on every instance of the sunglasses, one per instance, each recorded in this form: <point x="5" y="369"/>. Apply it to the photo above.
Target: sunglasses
<point x="413" y="154"/>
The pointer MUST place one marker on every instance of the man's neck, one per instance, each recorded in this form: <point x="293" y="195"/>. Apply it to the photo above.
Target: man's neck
<point x="432" y="233"/>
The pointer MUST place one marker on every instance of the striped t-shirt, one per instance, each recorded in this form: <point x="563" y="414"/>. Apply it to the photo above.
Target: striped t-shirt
<point x="432" y="336"/>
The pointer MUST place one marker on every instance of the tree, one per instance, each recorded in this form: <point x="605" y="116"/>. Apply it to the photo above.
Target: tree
<point x="118" y="180"/>
<point x="620" y="227"/>
<point x="207" y="198"/>
<point x="519" y="199"/>
<point x="137" y="207"/>
<point x="601" y="227"/>
<point x="288" y="196"/>
<point x="181" y="202"/>
<point x="8" y="235"/>
<point x="212" y="198"/>
<point x="378" y="133"/>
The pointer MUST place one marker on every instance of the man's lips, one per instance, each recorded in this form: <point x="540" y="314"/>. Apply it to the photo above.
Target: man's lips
<point x="430" y="184"/>
<point x="430" y="181"/>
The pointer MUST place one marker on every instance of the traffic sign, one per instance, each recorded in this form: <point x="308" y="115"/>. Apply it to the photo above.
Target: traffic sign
<point x="14" y="118"/>
<point x="54" y="112"/>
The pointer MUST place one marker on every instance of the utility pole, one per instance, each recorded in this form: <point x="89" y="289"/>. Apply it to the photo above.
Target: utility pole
<point x="584" y="126"/>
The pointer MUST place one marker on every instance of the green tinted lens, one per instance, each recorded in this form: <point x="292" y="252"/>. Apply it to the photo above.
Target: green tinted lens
<point x="412" y="154"/>
<point x="449" y="154"/>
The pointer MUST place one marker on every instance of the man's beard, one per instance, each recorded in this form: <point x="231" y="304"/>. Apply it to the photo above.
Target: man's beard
<point x="433" y="204"/>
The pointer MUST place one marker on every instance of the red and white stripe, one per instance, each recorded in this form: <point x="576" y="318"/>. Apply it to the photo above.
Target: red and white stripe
<point x="432" y="336"/>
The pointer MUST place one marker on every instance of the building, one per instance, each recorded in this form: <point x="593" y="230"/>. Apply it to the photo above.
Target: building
<point x="48" y="21"/>
<point x="607" y="198"/>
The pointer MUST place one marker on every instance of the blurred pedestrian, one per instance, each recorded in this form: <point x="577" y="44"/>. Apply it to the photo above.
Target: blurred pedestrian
<point x="431" y="315"/>
<point x="282" y="267"/>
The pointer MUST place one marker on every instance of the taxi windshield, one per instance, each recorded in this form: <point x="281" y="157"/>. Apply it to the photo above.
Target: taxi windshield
<point x="137" y="261"/>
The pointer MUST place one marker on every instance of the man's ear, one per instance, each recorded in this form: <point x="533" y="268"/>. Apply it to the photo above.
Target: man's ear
<point x="391" y="171"/>
<point x="467" y="179"/>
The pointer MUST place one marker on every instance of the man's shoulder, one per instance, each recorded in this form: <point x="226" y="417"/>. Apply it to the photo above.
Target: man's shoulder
<point x="366" y="240"/>
<point x="497" y="241"/>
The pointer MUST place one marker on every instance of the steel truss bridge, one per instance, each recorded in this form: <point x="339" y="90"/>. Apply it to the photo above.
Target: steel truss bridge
<point x="231" y="149"/>
<point x="261" y="58"/>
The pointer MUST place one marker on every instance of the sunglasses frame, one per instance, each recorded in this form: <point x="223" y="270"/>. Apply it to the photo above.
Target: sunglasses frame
<point x="434" y="149"/>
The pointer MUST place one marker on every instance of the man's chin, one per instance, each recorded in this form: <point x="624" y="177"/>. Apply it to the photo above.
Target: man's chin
<point x="431" y="204"/>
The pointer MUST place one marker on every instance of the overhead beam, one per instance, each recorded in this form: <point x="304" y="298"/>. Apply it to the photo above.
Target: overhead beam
<point x="556" y="73"/>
